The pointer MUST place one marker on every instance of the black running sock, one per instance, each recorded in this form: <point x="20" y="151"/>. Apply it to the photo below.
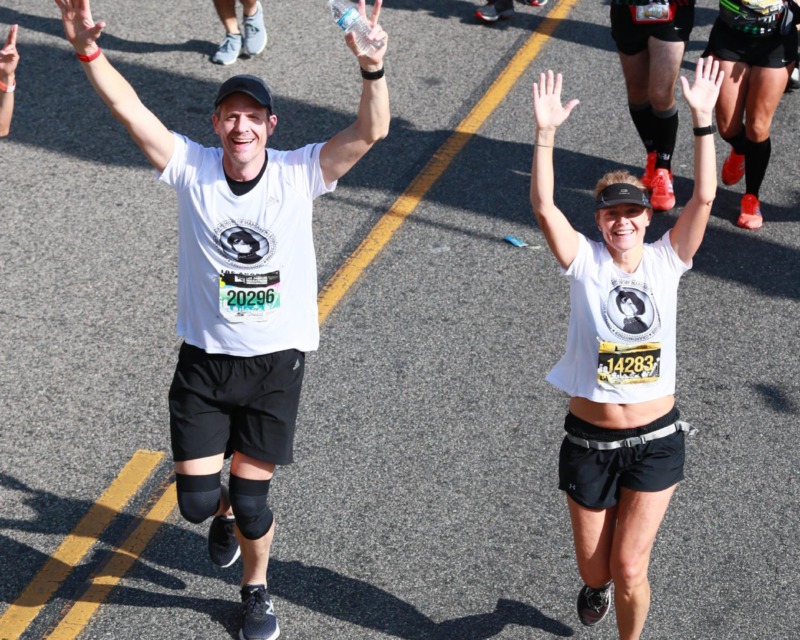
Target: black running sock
<point x="666" y="133"/>
<point x="756" y="159"/>
<point x="645" y="123"/>
<point x="737" y="141"/>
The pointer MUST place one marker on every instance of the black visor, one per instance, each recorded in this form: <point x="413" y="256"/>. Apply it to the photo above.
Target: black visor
<point x="621" y="193"/>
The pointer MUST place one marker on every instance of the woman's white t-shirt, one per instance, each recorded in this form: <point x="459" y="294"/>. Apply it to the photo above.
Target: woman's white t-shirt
<point x="622" y="326"/>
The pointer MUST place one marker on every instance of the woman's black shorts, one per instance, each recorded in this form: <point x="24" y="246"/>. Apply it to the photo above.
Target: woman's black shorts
<point x="593" y="478"/>
<point x="220" y="403"/>
<point x="772" y="51"/>
<point x="631" y="38"/>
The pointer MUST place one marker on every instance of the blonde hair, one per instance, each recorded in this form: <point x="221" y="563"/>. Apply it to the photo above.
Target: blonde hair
<point x="618" y="177"/>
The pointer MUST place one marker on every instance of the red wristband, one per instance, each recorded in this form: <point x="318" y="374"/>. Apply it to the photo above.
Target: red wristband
<point x="91" y="56"/>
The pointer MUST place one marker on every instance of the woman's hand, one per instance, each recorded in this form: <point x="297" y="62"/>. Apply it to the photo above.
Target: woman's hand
<point x="702" y="95"/>
<point x="547" y="108"/>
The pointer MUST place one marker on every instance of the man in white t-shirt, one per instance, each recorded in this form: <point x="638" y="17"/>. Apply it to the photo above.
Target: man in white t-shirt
<point x="247" y="290"/>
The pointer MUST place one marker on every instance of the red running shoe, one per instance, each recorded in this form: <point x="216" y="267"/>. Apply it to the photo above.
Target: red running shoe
<point x="750" y="215"/>
<point x="536" y="3"/>
<point x="662" y="196"/>
<point x="649" y="169"/>
<point x="732" y="168"/>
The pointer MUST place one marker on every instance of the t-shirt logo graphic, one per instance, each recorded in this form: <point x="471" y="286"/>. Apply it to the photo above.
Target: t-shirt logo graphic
<point x="630" y="311"/>
<point x="245" y="246"/>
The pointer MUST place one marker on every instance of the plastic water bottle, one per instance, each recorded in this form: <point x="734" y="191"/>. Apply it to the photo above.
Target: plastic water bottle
<point x="349" y="19"/>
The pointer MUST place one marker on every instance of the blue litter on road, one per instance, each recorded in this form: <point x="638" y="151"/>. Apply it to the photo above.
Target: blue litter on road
<point x="515" y="241"/>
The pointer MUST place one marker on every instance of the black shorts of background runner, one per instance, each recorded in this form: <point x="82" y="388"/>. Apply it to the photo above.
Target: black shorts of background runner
<point x="772" y="50"/>
<point x="631" y="38"/>
<point x="221" y="403"/>
<point x="593" y="478"/>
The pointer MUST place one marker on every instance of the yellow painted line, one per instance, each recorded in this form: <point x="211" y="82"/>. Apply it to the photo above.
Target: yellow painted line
<point x="75" y="546"/>
<point x="115" y="569"/>
<point x="344" y="278"/>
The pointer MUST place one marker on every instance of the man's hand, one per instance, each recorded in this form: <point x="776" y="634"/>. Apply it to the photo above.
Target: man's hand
<point x="80" y="29"/>
<point x="9" y="57"/>
<point x="372" y="60"/>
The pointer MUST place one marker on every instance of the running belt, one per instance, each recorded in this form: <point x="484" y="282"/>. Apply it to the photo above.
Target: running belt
<point x="636" y="440"/>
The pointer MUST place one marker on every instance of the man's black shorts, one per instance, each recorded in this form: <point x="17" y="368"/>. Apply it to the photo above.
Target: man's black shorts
<point x="773" y="51"/>
<point x="594" y="478"/>
<point x="220" y="403"/>
<point x="631" y="38"/>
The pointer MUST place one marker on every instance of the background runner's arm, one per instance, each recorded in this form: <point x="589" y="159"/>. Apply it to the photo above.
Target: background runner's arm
<point x="9" y="57"/>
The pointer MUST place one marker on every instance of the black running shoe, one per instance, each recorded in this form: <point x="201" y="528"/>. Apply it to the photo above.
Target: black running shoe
<point x="593" y="604"/>
<point x="258" y="615"/>
<point x="222" y="544"/>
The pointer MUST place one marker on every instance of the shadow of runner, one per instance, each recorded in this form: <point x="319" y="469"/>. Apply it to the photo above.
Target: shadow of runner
<point x="363" y="604"/>
<point x="52" y="26"/>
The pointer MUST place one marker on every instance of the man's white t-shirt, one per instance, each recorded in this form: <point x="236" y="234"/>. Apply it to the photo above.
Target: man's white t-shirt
<point x="622" y="326"/>
<point x="247" y="272"/>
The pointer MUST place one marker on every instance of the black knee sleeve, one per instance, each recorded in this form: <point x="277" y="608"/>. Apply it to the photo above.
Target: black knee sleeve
<point x="249" y="502"/>
<point x="198" y="496"/>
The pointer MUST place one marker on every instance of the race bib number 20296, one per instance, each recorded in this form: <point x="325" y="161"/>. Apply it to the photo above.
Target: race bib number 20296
<point x="249" y="297"/>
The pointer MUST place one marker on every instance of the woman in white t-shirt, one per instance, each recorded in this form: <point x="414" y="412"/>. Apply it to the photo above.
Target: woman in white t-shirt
<point x="623" y="453"/>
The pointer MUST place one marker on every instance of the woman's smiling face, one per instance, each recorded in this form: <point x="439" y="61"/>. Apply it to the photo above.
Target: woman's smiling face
<point x="623" y="226"/>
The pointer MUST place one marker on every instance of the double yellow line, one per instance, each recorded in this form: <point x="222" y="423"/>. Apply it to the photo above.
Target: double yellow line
<point x="77" y="544"/>
<point x="73" y="549"/>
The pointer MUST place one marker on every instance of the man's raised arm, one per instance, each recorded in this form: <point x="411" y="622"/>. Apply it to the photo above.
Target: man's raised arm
<point x="152" y="137"/>
<point x="347" y="147"/>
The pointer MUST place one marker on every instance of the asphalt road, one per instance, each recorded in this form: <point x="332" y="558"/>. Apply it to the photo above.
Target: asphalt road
<point x="423" y="504"/>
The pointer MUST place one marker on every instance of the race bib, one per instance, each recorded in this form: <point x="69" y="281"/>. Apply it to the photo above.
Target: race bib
<point x="764" y="7"/>
<point x="656" y="11"/>
<point x="247" y="297"/>
<point x="619" y="364"/>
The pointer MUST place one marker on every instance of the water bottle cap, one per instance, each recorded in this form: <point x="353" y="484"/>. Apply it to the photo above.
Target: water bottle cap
<point x="253" y="86"/>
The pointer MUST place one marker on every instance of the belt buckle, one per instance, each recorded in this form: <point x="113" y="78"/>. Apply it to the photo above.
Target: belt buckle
<point x="632" y="442"/>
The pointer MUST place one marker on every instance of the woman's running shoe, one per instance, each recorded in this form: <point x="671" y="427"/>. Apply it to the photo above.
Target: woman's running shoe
<point x="593" y="604"/>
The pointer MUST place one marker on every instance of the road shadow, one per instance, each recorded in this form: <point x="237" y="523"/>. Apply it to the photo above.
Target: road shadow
<point x="110" y="42"/>
<point x="770" y="268"/>
<point x="175" y="550"/>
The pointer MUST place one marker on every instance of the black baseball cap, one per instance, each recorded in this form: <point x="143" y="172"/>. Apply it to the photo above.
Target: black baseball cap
<point x="621" y="193"/>
<point x="253" y="86"/>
